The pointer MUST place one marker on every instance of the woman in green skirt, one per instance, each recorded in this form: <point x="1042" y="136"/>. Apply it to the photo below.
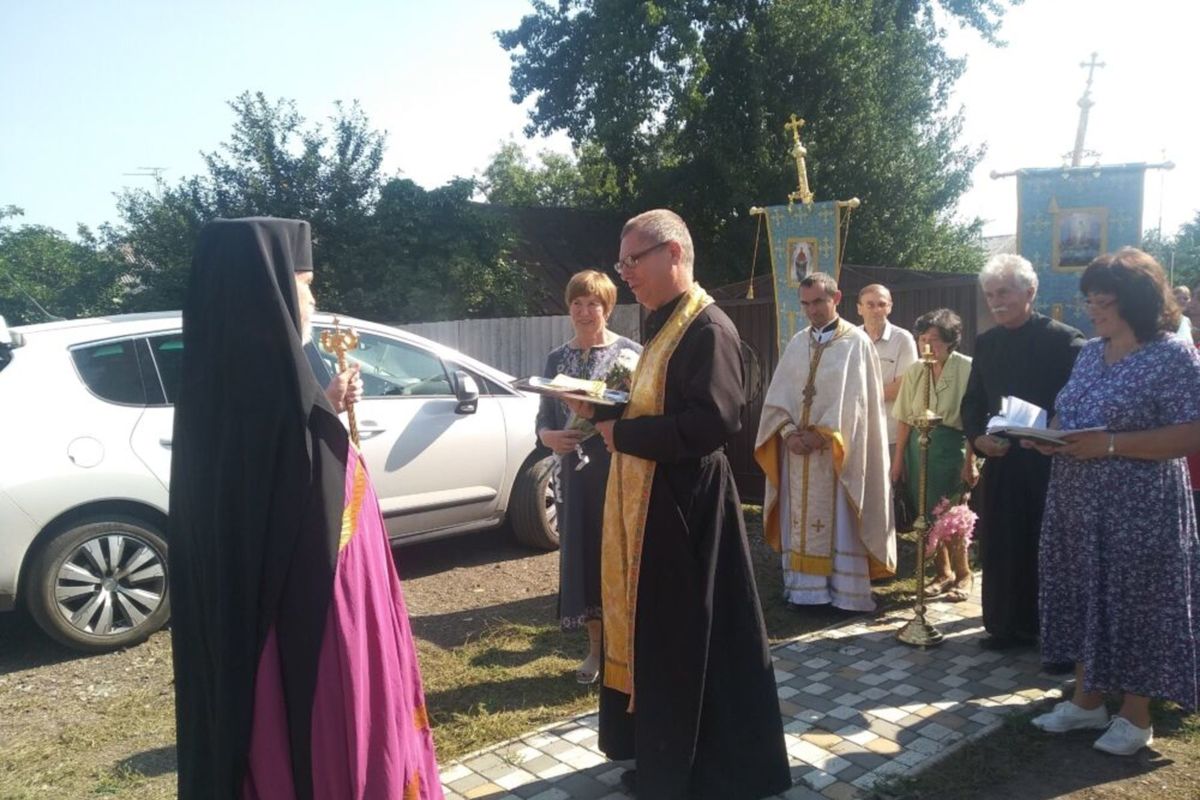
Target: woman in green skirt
<point x="951" y="462"/>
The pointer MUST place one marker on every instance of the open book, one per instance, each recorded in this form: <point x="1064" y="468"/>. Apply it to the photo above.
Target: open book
<point x="1020" y="419"/>
<point x="566" y="387"/>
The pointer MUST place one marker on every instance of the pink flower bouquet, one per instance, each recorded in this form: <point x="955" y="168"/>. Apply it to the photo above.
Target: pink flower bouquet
<point x="953" y="522"/>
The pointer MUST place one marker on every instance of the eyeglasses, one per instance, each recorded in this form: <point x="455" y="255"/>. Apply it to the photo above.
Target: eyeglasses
<point x="1098" y="304"/>
<point x="630" y="261"/>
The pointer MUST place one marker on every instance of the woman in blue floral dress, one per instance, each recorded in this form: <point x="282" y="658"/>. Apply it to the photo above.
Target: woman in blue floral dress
<point x="594" y="353"/>
<point x="1119" y="559"/>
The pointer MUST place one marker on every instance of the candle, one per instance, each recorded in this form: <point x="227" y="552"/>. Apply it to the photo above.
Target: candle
<point x="927" y="351"/>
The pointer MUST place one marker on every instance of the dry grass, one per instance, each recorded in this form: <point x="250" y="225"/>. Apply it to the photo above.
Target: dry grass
<point x="512" y="679"/>
<point x="101" y="726"/>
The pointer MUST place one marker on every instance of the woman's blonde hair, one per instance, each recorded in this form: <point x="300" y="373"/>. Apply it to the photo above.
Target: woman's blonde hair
<point x="594" y="283"/>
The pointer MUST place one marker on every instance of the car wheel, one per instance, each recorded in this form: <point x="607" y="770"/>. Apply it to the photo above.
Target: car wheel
<point x="101" y="585"/>
<point x="531" y="507"/>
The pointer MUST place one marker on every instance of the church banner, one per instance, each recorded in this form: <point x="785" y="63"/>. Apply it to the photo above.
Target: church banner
<point x="803" y="239"/>
<point x="1068" y="216"/>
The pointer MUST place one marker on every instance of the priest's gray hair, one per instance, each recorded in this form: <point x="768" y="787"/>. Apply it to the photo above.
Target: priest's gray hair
<point x="1009" y="267"/>
<point x="664" y="225"/>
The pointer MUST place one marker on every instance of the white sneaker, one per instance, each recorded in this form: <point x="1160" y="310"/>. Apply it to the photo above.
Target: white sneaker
<point x="1067" y="716"/>
<point x="1123" y="738"/>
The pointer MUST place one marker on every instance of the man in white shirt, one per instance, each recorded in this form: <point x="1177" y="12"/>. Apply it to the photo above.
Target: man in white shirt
<point x="1183" y="297"/>
<point x="896" y="347"/>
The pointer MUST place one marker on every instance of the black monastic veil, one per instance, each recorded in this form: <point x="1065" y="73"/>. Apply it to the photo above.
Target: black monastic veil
<point x="257" y="484"/>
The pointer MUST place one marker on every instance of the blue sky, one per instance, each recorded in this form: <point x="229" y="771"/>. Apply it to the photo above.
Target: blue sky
<point x="92" y="90"/>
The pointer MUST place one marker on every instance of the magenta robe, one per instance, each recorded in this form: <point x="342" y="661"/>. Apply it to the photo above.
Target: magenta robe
<point x="370" y="728"/>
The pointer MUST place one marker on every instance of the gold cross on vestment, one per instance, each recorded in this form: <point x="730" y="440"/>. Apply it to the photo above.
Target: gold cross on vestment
<point x="818" y="526"/>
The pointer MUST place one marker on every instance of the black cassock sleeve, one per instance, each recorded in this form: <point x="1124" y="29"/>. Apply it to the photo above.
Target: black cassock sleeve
<point x="974" y="406"/>
<point x="703" y="413"/>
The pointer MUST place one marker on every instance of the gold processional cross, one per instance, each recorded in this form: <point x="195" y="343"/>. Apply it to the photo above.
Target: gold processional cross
<point x="338" y="342"/>
<point x="802" y="193"/>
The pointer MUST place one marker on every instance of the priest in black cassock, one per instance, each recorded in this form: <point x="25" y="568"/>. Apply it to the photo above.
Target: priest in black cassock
<point x="1030" y="356"/>
<point x="689" y="690"/>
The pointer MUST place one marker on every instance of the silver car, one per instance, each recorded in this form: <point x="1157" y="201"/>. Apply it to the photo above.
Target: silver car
<point x="85" y="449"/>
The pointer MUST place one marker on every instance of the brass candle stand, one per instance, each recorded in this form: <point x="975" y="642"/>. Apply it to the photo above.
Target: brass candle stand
<point x="918" y="631"/>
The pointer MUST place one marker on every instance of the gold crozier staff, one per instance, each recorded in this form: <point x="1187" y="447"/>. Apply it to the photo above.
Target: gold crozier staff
<point x="339" y="341"/>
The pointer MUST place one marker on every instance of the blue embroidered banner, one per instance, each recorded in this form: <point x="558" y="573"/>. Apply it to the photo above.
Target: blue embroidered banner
<point x="1068" y="216"/>
<point x="803" y="239"/>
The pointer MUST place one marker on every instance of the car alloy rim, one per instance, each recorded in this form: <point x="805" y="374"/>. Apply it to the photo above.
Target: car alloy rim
<point x="110" y="584"/>
<point x="549" y="507"/>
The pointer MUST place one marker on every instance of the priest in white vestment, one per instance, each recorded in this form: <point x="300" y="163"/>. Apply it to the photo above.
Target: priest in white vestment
<point x="822" y="442"/>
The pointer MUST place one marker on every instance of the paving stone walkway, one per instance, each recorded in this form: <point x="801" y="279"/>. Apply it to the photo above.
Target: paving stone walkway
<point x="859" y="707"/>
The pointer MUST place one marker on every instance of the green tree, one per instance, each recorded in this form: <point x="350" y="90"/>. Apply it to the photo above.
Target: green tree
<point x="687" y="99"/>
<point x="1186" y="253"/>
<point x="1179" y="254"/>
<point x="372" y="257"/>
<point x="44" y="274"/>
<point x="585" y="180"/>
<point x="435" y="255"/>
<point x="1157" y="245"/>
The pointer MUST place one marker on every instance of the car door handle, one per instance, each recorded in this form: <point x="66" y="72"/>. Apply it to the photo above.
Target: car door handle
<point x="165" y="443"/>
<point x="369" y="430"/>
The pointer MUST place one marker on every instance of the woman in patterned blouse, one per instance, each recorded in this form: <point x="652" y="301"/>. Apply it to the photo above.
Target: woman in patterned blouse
<point x="593" y="353"/>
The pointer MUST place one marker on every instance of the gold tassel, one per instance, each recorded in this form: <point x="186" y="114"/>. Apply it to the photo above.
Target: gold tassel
<point x="754" y="260"/>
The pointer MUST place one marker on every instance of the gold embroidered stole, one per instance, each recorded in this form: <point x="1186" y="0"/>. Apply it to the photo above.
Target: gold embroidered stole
<point x="627" y="499"/>
<point x="354" y="502"/>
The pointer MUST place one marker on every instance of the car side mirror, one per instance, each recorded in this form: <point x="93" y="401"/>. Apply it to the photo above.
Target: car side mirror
<point x="467" y="392"/>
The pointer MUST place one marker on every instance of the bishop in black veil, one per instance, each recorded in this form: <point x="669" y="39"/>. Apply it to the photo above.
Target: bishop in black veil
<point x="288" y="618"/>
